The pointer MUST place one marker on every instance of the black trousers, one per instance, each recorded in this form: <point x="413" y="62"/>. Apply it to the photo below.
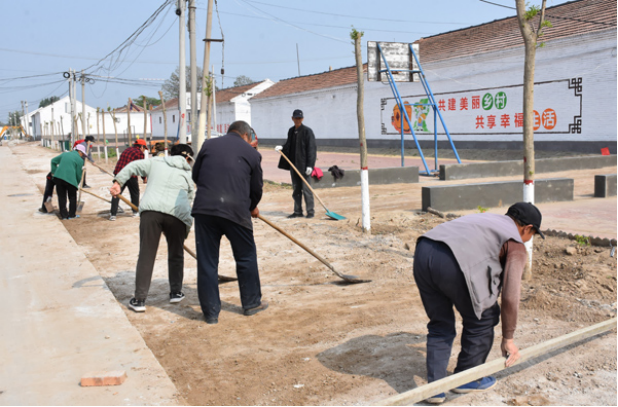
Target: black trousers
<point x="151" y="225"/>
<point x="49" y="191"/>
<point x="442" y="284"/>
<point x="133" y="190"/>
<point x="208" y="232"/>
<point x="300" y="189"/>
<point x="64" y="189"/>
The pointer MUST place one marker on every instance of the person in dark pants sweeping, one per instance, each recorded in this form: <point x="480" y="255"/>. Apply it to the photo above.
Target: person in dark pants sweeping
<point x="129" y="155"/>
<point x="165" y="208"/>
<point x="467" y="263"/>
<point x="48" y="193"/>
<point x="301" y="150"/>
<point x="228" y="175"/>
<point x="66" y="170"/>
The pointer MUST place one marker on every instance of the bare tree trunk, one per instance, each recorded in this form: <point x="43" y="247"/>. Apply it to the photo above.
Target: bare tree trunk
<point x="530" y="43"/>
<point x="164" y="121"/>
<point x="115" y="132"/>
<point x="98" y="133"/>
<point x="366" y="213"/>
<point x="145" y="116"/>
<point x="129" y="122"/>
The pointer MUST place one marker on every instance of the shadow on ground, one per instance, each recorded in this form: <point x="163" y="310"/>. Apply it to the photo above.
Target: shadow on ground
<point x="396" y="358"/>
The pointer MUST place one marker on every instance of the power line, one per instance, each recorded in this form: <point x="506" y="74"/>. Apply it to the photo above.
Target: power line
<point x="349" y="16"/>
<point x="277" y="19"/>
<point x="579" y="20"/>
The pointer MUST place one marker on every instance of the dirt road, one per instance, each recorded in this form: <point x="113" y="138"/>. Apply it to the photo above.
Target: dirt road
<point x="323" y="343"/>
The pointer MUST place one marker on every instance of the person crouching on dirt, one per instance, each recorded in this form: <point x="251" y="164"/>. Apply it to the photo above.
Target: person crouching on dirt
<point x="465" y="263"/>
<point x="228" y="175"/>
<point x="129" y="155"/>
<point x="165" y="207"/>
<point x="66" y="171"/>
<point x="87" y="143"/>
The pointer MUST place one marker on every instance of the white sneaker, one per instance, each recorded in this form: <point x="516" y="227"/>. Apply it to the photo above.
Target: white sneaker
<point x="112" y="218"/>
<point x="136" y="214"/>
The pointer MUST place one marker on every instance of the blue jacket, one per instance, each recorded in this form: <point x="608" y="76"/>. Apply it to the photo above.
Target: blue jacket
<point x="228" y="175"/>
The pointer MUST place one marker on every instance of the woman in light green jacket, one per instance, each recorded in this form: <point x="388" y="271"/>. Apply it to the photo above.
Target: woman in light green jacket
<point x="164" y="208"/>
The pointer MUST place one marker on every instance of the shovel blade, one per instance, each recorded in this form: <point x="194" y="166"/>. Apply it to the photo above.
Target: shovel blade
<point x="80" y="206"/>
<point x="334" y="216"/>
<point x="49" y="207"/>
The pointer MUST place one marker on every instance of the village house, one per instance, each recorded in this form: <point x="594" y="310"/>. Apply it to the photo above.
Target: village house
<point x="476" y="75"/>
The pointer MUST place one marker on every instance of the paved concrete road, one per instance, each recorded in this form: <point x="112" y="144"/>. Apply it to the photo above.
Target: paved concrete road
<point x="59" y="320"/>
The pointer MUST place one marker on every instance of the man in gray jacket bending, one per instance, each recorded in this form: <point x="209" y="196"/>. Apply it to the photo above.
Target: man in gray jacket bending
<point x="165" y="208"/>
<point x="466" y="263"/>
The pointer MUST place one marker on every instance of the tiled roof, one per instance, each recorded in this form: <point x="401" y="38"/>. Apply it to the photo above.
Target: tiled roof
<point x="134" y="108"/>
<point x="329" y="79"/>
<point x="568" y="19"/>
<point x="169" y="104"/>
<point x="227" y="94"/>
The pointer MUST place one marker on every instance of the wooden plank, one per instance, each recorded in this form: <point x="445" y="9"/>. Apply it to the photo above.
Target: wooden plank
<point x="456" y="380"/>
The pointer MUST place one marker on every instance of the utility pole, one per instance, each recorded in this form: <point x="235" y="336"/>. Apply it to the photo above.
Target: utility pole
<point x="205" y="90"/>
<point x="193" y="63"/>
<point x="356" y="36"/>
<point x="83" y="78"/>
<point x="182" y="75"/>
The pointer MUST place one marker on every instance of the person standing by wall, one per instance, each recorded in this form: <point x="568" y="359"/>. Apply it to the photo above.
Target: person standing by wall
<point x="301" y="149"/>
<point x="228" y="175"/>
<point x="130" y="154"/>
<point x="66" y="170"/>
<point x="166" y="208"/>
<point x="467" y="263"/>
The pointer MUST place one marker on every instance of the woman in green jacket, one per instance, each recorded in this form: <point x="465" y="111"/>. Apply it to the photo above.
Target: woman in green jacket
<point x="164" y="208"/>
<point x="66" y="170"/>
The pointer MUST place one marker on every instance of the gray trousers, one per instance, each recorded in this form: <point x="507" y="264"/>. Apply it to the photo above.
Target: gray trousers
<point x="151" y="225"/>
<point x="300" y="189"/>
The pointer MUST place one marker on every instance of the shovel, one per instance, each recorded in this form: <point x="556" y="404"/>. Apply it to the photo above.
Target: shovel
<point x="330" y="214"/>
<point x="222" y="278"/>
<point x="345" y="277"/>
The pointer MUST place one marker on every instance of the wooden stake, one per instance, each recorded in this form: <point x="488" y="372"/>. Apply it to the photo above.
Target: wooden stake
<point x="145" y="117"/>
<point x="129" y="122"/>
<point x="164" y="121"/>
<point x="461" y="378"/>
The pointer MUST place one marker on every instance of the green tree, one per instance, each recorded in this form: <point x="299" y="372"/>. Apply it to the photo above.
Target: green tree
<point x="48" y="101"/>
<point x="149" y="100"/>
<point x="171" y="86"/>
<point x="243" y="80"/>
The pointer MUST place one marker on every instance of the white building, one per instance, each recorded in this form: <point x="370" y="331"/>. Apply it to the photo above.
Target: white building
<point x="476" y="75"/>
<point x="231" y="104"/>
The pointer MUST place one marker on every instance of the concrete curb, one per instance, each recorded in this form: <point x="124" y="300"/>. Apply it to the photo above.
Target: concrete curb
<point x="493" y="194"/>
<point x="449" y="172"/>
<point x="377" y="176"/>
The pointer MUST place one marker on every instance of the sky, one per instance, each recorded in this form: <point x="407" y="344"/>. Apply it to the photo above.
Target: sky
<point x="263" y="39"/>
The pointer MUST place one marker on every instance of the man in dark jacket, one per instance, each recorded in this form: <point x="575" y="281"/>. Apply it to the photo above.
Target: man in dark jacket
<point x="228" y="175"/>
<point x="300" y="148"/>
<point x="467" y="263"/>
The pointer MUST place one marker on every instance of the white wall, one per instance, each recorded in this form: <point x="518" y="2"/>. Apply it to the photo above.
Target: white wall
<point x="331" y="113"/>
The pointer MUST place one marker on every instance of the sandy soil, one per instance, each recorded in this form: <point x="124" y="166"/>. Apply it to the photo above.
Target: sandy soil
<point x="324" y="343"/>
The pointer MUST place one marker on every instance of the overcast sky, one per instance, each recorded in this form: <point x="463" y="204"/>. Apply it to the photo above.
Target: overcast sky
<point x="44" y="38"/>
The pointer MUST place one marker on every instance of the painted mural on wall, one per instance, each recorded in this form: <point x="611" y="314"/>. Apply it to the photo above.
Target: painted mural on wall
<point x="490" y="111"/>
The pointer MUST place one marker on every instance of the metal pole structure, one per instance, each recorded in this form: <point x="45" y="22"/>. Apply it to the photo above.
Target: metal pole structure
<point x="182" y="75"/>
<point x="202" y="124"/>
<point x="193" y="63"/>
<point x="83" y="104"/>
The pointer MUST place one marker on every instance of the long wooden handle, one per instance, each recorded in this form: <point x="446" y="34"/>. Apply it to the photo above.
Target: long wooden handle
<point x="308" y="250"/>
<point x="410" y="397"/>
<point x="135" y="208"/>
<point x="125" y="200"/>
<point x="304" y="180"/>
<point x="103" y="169"/>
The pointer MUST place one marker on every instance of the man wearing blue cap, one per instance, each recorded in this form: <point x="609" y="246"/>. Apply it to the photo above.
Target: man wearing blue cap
<point x="467" y="263"/>
<point x="301" y="150"/>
